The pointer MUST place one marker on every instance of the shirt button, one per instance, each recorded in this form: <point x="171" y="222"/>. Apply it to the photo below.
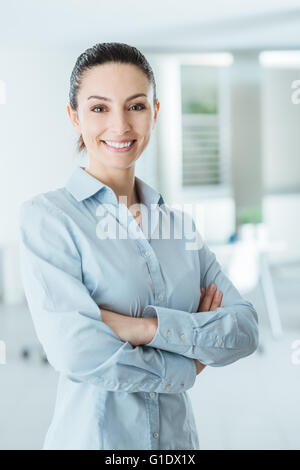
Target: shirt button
<point x="160" y="297"/>
<point x="181" y="385"/>
<point x="152" y="394"/>
<point x="155" y="435"/>
<point x="220" y="341"/>
<point x="147" y="253"/>
<point x="169" y="333"/>
<point x="168" y="387"/>
<point x="182" y="337"/>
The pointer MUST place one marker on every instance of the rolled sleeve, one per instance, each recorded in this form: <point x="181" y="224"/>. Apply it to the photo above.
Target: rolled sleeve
<point x="68" y="322"/>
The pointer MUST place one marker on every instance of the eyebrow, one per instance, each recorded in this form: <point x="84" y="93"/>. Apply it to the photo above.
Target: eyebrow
<point x="108" y="99"/>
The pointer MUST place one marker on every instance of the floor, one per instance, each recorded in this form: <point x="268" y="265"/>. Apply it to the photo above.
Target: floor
<point x="251" y="404"/>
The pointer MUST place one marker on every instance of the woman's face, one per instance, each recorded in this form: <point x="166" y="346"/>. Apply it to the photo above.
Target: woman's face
<point x="115" y="118"/>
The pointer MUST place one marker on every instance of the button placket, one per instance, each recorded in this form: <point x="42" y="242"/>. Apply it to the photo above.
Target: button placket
<point x="154" y="269"/>
<point x="152" y="406"/>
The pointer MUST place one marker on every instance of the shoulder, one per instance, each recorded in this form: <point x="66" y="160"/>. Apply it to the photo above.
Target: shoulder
<point x="51" y="202"/>
<point x="47" y="209"/>
<point x="43" y="221"/>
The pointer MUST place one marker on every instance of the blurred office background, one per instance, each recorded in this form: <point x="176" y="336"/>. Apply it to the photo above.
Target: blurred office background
<point x="227" y="141"/>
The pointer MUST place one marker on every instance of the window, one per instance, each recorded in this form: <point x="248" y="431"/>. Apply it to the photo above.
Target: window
<point x="204" y="151"/>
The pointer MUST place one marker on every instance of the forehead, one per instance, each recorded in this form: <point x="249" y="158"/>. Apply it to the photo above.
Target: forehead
<point x="113" y="79"/>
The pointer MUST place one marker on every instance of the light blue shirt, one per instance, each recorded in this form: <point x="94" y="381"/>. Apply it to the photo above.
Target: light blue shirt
<point x="110" y="394"/>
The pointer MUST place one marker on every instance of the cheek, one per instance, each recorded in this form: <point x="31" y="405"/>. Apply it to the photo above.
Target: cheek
<point x="143" y="125"/>
<point x="92" y="128"/>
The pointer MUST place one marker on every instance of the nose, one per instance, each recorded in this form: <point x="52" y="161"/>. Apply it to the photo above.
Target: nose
<point x="119" y="123"/>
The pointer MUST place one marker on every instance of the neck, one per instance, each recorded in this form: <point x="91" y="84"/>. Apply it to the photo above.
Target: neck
<point x="121" y="181"/>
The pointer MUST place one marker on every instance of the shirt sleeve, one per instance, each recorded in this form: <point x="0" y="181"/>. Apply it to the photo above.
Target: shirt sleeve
<point x="215" y="338"/>
<point x="68" y="322"/>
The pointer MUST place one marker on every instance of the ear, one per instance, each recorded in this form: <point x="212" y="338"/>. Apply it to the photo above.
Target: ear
<point x="74" y="119"/>
<point x="156" y="112"/>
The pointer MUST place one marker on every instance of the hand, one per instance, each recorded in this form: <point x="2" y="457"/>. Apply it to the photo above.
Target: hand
<point x="209" y="301"/>
<point x="136" y="331"/>
<point x="199" y="366"/>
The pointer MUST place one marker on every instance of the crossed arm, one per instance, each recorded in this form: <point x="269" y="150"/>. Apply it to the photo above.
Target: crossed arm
<point x="141" y="331"/>
<point x="66" y="318"/>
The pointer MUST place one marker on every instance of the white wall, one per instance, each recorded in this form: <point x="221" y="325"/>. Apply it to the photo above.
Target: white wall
<point x="281" y="162"/>
<point x="281" y="127"/>
<point x="37" y="140"/>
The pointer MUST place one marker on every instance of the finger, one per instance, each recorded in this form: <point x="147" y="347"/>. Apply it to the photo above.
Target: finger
<point x="200" y="367"/>
<point x="209" y="295"/>
<point x="201" y="298"/>
<point x="216" y="300"/>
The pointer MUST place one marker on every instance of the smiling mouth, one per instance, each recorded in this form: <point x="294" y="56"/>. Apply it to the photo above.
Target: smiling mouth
<point x="119" y="149"/>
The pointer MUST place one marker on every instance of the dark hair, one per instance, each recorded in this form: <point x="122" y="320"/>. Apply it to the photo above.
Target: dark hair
<point x="100" y="54"/>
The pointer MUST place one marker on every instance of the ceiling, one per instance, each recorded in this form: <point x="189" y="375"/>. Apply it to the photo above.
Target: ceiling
<point x="159" y="25"/>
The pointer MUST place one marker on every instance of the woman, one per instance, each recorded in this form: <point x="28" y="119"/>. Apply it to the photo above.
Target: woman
<point x="121" y="318"/>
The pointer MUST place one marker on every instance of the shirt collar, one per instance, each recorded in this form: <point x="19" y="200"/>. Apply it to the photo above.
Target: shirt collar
<point x="82" y="185"/>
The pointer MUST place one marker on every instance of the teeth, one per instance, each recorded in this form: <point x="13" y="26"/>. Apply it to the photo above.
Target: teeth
<point x="118" y="146"/>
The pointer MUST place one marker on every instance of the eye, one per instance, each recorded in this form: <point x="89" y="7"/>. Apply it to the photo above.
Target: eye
<point x="142" y="106"/>
<point x="97" y="107"/>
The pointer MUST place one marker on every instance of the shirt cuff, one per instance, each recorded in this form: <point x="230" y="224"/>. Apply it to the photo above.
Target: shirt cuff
<point x="175" y="329"/>
<point x="181" y="373"/>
